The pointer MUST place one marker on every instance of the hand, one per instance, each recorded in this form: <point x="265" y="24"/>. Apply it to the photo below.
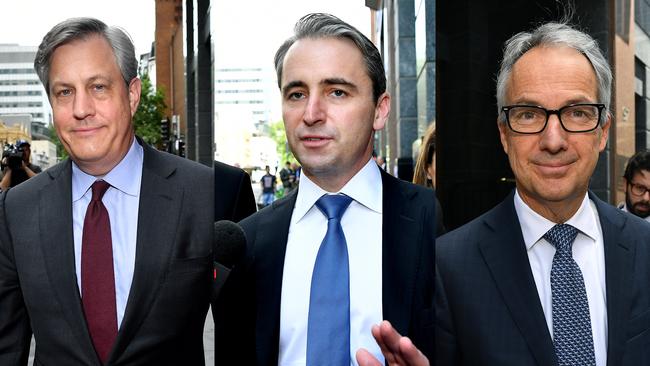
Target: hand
<point x="398" y="350"/>
<point x="6" y="180"/>
<point x="28" y="171"/>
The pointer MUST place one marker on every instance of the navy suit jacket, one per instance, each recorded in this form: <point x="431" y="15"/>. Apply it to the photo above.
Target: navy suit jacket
<point x="247" y="318"/>
<point x="488" y="310"/>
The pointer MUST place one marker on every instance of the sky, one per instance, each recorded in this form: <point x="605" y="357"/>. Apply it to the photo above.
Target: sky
<point x="250" y="31"/>
<point x="244" y="31"/>
<point x="25" y="22"/>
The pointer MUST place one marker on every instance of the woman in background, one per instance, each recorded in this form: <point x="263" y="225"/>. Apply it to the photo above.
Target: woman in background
<point x="425" y="170"/>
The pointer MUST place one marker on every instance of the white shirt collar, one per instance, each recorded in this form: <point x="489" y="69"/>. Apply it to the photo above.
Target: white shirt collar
<point x="121" y="177"/>
<point x="365" y="188"/>
<point x="534" y="226"/>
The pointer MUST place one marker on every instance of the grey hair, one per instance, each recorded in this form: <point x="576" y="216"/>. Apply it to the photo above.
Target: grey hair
<point x="320" y="25"/>
<point x="79" y="29"/>
<point x="555" y="34"/>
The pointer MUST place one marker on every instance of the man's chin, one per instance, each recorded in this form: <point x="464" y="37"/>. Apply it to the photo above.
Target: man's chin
<point x="643" y="213"/>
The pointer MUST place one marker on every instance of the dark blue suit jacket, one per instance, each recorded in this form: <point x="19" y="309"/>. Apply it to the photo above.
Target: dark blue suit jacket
<point x="488" y="311"/>
<point x="247" y="314"/>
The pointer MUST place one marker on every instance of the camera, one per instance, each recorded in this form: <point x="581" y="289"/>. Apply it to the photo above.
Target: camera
<point x="14" y="157"/>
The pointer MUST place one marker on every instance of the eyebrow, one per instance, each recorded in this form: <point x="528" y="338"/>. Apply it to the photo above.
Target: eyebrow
<point x="91" y="79"/>
<point x="575" y="100"/>
<point x="328" y="81"/>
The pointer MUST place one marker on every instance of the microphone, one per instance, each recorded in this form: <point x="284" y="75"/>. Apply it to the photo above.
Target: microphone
<point x="229" y="248"/>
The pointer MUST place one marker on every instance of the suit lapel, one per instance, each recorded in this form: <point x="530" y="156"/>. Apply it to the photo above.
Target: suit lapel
<point x="57" y="243"/>
<point x="158" y="214"/>
<point x="269" y="252"/>
<point x="502" y="247"/>
<point x="618" y="277"/>
<point x="400" y="247"/>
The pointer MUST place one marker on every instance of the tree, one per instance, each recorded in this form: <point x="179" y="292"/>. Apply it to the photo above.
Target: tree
<point x="278" y="134"/>
<point x="150" y="113"/>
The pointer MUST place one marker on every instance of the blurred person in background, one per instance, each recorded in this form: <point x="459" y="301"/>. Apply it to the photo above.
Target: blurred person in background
<point x="637" y="185"/>
<point x="16" y="165"/>
<point x="425" y="170"/>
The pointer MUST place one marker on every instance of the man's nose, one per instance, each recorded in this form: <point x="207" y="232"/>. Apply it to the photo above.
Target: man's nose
<point x="554" y="137"/>
<point x="83" y="105"/>
<point x="314" y="111"/>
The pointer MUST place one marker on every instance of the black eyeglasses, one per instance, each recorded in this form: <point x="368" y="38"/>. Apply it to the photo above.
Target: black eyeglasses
<point x="638" y="189"/>
<point x="530" y="119"/>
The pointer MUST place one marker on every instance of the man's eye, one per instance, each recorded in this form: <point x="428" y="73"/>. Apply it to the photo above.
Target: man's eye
<point x="339" y="93"/>
<point x="296" y="96"/>
<point x="64" y="92"/>
<point x="99" y="87"/>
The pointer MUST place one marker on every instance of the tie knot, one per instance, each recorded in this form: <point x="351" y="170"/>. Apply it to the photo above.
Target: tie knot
<point x="99" y="188"/>
<point x="561" y="236"/>
<point x="333" y="206"/>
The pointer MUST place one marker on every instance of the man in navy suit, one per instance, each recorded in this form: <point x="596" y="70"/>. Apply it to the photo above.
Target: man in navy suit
<point x="334" y="97"/>
<point x="552" y="275"/>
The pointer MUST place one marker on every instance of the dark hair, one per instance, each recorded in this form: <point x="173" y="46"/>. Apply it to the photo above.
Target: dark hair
<point x="320" y="25"/>
<point x="81" y="28"/>
<point x="639" y="161"/>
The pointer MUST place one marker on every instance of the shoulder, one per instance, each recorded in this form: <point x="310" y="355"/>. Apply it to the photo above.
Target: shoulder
<point x="407" y="192"/>
<point x="168" y="164"/>
<point x="225" y="170"/>
<point x="273" y="214"/>
<point x="466" y="238"/>
<point x="628" y="223"/>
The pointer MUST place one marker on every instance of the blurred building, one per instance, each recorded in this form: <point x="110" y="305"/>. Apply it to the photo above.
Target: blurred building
<point x="20" y="89"/>
<point x="184" y="64"/>
<point x="245" y="103"/>
<point x="43" y="153"/>
<point x="14" y="128"/>
<point x="404" y="31"/>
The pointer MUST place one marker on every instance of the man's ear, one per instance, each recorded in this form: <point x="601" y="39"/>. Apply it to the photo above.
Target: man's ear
<point x="135" y="88"/>
<point x="605" y="134"/>
<point x="382" y="111"/>
<point x="503" y="130"/>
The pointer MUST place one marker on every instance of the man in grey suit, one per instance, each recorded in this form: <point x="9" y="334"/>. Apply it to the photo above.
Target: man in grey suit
<point x="284" y="301"/>
<point x="106" y="257"/>
<point x="552" y="275"/>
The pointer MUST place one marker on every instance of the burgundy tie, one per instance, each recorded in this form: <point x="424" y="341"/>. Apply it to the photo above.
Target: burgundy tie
<point x="97" y="276"/>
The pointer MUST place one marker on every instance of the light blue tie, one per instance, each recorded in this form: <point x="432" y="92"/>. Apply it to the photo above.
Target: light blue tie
<point x="572" y="337"/>
<point x="328" y="330"/>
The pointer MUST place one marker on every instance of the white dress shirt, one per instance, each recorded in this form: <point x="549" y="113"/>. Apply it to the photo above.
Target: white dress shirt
<point x="122" y="202"/>
<point x="589" y="254"/>
<point x="362" y="225"/>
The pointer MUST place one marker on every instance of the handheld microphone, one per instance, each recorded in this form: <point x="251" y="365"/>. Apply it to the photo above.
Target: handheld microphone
<point x="229" y="248"/>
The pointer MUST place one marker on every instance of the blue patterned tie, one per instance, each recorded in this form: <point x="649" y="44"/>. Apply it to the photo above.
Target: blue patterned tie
<point x="328" y="330"/>
<point x="572" y="337"/>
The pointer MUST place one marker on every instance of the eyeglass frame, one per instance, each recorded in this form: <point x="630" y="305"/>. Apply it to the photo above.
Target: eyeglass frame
<point x="633" y="185"/>
<point x="549" y="112"/>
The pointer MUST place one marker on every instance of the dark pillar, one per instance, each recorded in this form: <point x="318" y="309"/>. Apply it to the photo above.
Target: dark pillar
<point x="190" y="147"/>
<point x="204" y="80"/>
<point x="407" y="113"/>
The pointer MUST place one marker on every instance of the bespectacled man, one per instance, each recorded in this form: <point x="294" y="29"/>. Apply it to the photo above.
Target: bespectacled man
<point x="637" y="185"/>
<point x="552" y="275"/>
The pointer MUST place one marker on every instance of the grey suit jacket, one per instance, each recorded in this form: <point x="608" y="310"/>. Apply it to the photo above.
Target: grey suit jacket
<point x="170" y="292"/>
<point x="247" y="315"/>
<point x="488" y="310"/>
